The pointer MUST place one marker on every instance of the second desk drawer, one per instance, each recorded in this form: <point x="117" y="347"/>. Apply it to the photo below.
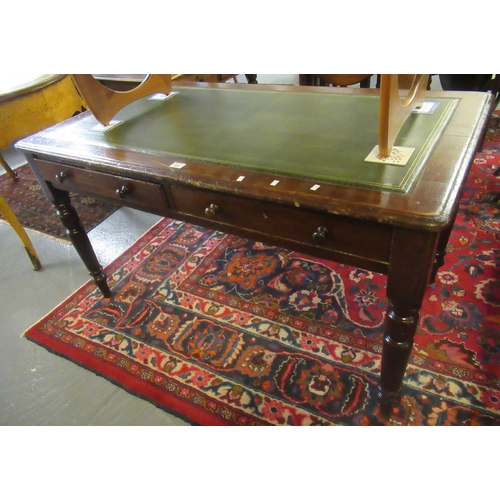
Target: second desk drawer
<point x="334" y="232"/>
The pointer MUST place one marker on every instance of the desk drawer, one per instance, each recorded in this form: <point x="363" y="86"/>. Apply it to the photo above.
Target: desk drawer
<point x="342" y="234"/>
<point x="122" y="190"/>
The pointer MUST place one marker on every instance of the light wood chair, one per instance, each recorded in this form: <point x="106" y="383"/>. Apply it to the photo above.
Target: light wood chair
<point x="393" y="111"/>
<point x="11" y="218"/>
<point x="105" y="102"/>
<point x="11" y="173"/>
<point x="32" y="103"/>
<point x="27" y="105"/>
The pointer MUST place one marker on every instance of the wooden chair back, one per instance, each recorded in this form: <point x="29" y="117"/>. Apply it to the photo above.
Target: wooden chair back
<point x="393" y="112"/>
<point x="105" y="102"/>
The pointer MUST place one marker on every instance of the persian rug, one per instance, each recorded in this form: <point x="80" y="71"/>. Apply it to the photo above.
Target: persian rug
<point x="36" y="213"/>
<point x="225" y="331"/>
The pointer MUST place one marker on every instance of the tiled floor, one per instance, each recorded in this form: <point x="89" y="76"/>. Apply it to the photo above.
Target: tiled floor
<point x="40" y="388"/>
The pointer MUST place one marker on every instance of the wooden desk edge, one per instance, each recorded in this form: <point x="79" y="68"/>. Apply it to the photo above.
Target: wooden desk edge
<point x="433" y="221"/>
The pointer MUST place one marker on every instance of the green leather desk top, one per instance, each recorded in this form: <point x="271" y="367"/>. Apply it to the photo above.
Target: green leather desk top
<point x="323" y="137"/>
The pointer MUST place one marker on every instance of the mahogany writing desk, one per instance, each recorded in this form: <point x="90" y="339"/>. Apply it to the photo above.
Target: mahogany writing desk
<point x="284" y="165"/>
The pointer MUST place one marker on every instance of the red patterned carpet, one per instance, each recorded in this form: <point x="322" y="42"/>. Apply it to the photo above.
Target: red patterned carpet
<point x="222" y="330"/>
<point x="25" y="197"/>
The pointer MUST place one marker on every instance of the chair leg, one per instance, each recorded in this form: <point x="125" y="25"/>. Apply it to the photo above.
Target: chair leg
<point x="11" y="218"/>
<point x="9" y="171"/>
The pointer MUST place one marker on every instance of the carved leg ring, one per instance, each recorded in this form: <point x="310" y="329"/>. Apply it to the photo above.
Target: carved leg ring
<point x="401" y="325"/>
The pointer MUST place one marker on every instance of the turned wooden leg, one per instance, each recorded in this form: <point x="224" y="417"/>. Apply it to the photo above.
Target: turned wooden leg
<point x="11" y="218"/>
<point x="410" y="267"/>
<point x="79" y="238"/>
<point x="401" y="324"/>
<point x="9" y="171"/>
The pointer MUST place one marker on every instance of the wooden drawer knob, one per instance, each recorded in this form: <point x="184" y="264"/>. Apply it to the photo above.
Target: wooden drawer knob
<point x="211" y="211"/>
<point x="121" y="192"/>
<point x="320" y="235"/>
<point x="61" y="176"/>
